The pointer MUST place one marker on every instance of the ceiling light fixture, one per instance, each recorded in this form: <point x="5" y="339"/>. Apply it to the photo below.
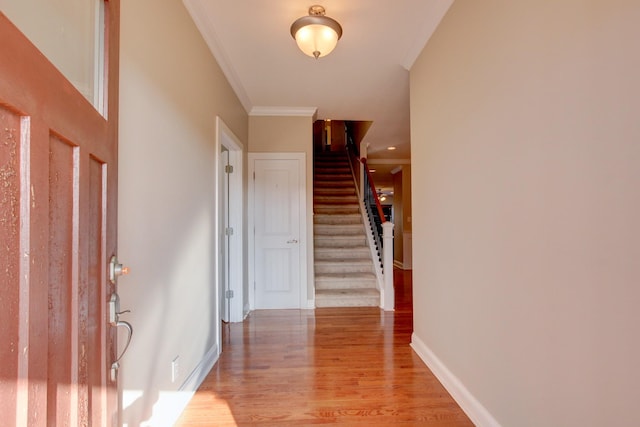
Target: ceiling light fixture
<point x="316" y="34"/>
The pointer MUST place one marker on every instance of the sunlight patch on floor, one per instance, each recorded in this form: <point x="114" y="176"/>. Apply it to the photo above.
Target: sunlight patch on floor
<point x="167" y="408"/>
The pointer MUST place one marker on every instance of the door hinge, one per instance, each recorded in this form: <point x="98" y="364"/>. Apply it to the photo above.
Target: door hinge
<point x="229" y="294"/>
<point x="228" y="168"/>
<point x="228" y="231"/>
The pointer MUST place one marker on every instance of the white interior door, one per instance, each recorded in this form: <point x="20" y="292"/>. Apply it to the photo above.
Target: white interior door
<point x="278" y="239"/>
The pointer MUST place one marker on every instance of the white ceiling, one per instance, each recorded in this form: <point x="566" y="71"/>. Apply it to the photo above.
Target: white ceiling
<point x="365" y="78"/>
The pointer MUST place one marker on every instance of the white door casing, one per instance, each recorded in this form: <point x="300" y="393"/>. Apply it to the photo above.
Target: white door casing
<point x="277" y="196"/>
<point x="223" y="254"/>
<point x="234" y="257"/>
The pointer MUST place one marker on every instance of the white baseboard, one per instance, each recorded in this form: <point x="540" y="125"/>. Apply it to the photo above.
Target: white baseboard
<point x="170" y="404"/>
<point x="201" y="371"/>
<point x="469" y="404"/>
<point x="195" y="379"/>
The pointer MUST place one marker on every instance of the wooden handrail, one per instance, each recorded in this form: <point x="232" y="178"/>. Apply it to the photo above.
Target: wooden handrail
<point x="383" y="219"/>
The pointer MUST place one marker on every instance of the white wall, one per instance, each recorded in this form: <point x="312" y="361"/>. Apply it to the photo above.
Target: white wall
<point x="171" y="92"/>
<point x="526" y="134"/>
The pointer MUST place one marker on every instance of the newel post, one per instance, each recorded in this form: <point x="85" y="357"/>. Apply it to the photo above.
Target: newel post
<point x="387" y="265"/>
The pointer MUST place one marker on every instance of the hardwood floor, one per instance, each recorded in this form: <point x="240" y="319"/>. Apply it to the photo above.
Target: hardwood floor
<point x="341" y="366"/>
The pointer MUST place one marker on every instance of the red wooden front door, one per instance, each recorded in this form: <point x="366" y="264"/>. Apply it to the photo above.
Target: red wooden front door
<point x="58" y="170"/>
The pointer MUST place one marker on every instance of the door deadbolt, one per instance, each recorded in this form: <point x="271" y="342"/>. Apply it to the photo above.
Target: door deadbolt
<point x="116" y="269"/>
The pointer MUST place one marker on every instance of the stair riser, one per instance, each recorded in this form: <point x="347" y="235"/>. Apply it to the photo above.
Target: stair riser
<point x="327" y="200"/>
<point x="332" y="192"/>
<point x="321" y="268"/>
<point x="328" y="169"/>
<point x="347" y="302"/>
<point x="341" y="284"/>
<point x="325" y="170"/>
<point x="333" y="177"/>
<point x="337" y="220"/>
<point x="337" y="230"/>
<point x="336" y="210"/>
<point x="328" y="254"/>
<point x="333" y="184"/>
<point x="323" y="242"/>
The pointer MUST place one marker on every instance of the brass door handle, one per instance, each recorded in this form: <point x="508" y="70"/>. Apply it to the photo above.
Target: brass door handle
<point x="116" y="365"/>
<point x="114" y="314"/>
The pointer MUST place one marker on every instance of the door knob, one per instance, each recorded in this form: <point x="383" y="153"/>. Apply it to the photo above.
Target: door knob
<point x="292" y="241"/>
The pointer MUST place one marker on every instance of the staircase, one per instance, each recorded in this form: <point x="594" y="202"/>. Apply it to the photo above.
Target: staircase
<point x="344" y="272"/>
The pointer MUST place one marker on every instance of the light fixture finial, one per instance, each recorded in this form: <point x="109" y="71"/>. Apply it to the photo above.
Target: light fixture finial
<point x="316" y="10"/>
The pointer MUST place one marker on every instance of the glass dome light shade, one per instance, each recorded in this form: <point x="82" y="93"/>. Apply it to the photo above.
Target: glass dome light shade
<point x="316" y="36"/>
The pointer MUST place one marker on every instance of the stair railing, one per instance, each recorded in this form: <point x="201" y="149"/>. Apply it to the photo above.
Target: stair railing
<point x="383" y="229"/>
<point x="353" y="153"/>
<point x="373" y="205"/>
<point x="370" y="195"/>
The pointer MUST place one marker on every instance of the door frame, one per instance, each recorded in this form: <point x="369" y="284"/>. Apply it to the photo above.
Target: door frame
<point x="225" y="137"/>
<point x="302" y="171"/>
<point x="223" y="220"/>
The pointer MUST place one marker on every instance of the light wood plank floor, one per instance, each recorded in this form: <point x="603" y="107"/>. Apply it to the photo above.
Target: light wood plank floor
<point x="348" y="366"/>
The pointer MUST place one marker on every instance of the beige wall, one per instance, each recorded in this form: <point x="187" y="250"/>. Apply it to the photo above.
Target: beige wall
<point x="288" y="134"/>
<point x="338" y="140"/>
<point x="407" y="205"/>
<point x="398" y="212"/>
<point x="402" y="216"/>
<point x="527" y="262"/>
<point x="272" y="134"/>
<point x="171" y="92"/>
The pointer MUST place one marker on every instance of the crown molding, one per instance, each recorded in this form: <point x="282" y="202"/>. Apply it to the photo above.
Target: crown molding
<point x="205" y="26"/>
<point x="284" y="111"/>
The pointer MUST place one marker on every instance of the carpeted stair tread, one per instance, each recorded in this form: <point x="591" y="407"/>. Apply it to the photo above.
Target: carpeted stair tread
<point x="345" y="281"/>
<point x="337" y="219"/>
<point x="344" y="252"/>
<point x="337" y="229"/>
<point x="336" y="209"/>
<point x="321" y="241"/>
